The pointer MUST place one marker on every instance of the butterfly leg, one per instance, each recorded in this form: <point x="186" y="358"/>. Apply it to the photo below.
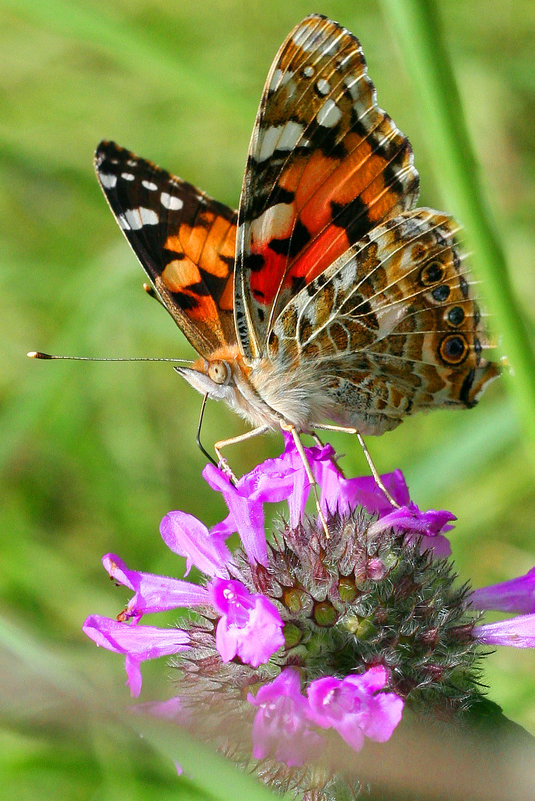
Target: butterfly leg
<point x="321" y="444"/>
<point x="301" y="451"/>
<point x="223" y="464"/>
<point x="198" y="435"/>
<point x="374" y="471"/>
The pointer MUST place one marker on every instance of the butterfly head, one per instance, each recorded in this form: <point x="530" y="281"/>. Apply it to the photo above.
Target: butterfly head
<point x="213" y="378"/>
<point x="225" y="376"/>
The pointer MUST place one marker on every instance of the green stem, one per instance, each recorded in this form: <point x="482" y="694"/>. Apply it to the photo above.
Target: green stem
<point x="418" y="30"/>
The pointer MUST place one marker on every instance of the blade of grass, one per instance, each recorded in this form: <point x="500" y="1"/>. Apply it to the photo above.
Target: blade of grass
<point x="417" y="27"/>
<point x="214" y="774"/>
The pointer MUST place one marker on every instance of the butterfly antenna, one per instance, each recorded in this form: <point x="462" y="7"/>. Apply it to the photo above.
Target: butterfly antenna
<point x="37" y="354"/>
<point x="151" y="292"/>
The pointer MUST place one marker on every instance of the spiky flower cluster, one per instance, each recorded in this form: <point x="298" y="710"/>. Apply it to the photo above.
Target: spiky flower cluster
<point x="308" y="643"/>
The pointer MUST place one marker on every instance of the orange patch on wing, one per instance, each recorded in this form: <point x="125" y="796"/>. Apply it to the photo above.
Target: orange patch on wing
<point x="179" y="274"/>
<point x="226" y="301"/>
<point x="205" y="311"/>
<point x="206" y="244"/>
<point x="220" y="241"/>
<point x="317" y="181"/>
<point x="320" y="254"/>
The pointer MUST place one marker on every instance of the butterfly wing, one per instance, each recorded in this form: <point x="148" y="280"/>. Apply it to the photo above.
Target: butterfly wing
<point x="325" y="166"/>
<point x="390" y="328"/>
<point x="184" y="240"/>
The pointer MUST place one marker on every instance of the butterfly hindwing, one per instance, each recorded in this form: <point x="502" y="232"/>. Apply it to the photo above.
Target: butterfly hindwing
<point x="325" y="166"/>
<point x="184" y="240"/>
<point x="391" y="327"/>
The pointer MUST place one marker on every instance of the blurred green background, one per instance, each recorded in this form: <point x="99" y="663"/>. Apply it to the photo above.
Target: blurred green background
<point x="93" y="455"/>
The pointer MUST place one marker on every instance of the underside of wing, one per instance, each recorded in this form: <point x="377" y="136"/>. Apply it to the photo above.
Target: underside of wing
<point x="392" y="327"/>
<point x="184" y="240"/>
<point x="325" y="166"/>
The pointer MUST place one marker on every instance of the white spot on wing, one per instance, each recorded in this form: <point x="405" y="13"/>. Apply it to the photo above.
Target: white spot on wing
<point x="329" y="114"/>
<point x="269" y="142"/>
<point x="127" y="176"/>
<point x="352" y="83"/>
<point x="148" y="216"/>
<point x="171" y="202"/>
<point x="108" y="180"/>
<point x="123" y="222"/>
<point x="275" y="222"/>
<point x="308" y="72"/>
<point x="300" y="37"/>
<point x="149" y="185"/>
<point x="323" y="86"/>
<point x="291" y="133"/>
<point x="279" y="137"/>
<point x="134" y="219"/>
<point x="279" y="78"/>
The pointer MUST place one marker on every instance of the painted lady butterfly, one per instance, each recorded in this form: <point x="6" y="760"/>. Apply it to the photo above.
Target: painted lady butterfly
<point x="327" y="296"/>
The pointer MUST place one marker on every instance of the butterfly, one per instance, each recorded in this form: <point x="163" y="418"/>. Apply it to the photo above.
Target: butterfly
<point x="327" y="296"/>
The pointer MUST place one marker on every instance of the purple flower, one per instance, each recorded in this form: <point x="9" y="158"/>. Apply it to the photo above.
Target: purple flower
<point x="516" y="595"/>
<point x="138" y="643"/>
<point x="250" y="626"/>
<point x="301" y="616"/>
<point x="355" y="707"/>
<point x="186" y="536"/>
<point x="153" y="593"/>
<point x="282" y="726"/>
<point x="427" y="525"/>
<point x="518" y="632"/>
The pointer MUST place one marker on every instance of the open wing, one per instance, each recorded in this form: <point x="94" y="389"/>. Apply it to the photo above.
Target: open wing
<point x="184" y="240"/>
<point x="325" y="166"/>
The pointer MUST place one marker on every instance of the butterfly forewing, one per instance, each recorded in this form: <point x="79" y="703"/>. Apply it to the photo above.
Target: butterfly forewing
<point x="325" y="166"/>
<point x="184" y="240"/>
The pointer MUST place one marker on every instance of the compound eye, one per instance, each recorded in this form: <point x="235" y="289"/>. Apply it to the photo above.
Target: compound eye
<point x="219" y="372"/>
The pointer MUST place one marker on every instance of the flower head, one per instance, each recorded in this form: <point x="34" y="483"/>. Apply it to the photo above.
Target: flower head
<point x="304" y="635"/>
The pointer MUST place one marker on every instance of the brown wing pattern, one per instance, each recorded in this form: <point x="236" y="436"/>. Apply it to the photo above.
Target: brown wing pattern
<point x="184" y="240"/>
<point x="326" y="165"/>
<point x="391" y="327"/>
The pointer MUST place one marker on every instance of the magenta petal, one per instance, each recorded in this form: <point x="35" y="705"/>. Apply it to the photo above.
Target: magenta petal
<point x="246" y="515"/>
<point x="385" y="714"/>
<point x="153" y="593"/>
<point x="373" y="680"/>
<point x="271" y="481"/>
<point x="172" y="709"/>
<point x="365" y="492"/>
<point x="134" y="679"/>
<point x="145" y="642"/>
<point x="425" y="524"/>
<point x="282" y="725"/>
<point x="410" y="518"/>
<point x="138" y="643"/>
<point x="516" y="595"/>
<point x="518" y="632"/>
<point x="263" y="635"/>
<point x="439" y="544"/>
<point x="250" y="625"/>
<point x="354" y="707"/>
<point x="186" y="536"/>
